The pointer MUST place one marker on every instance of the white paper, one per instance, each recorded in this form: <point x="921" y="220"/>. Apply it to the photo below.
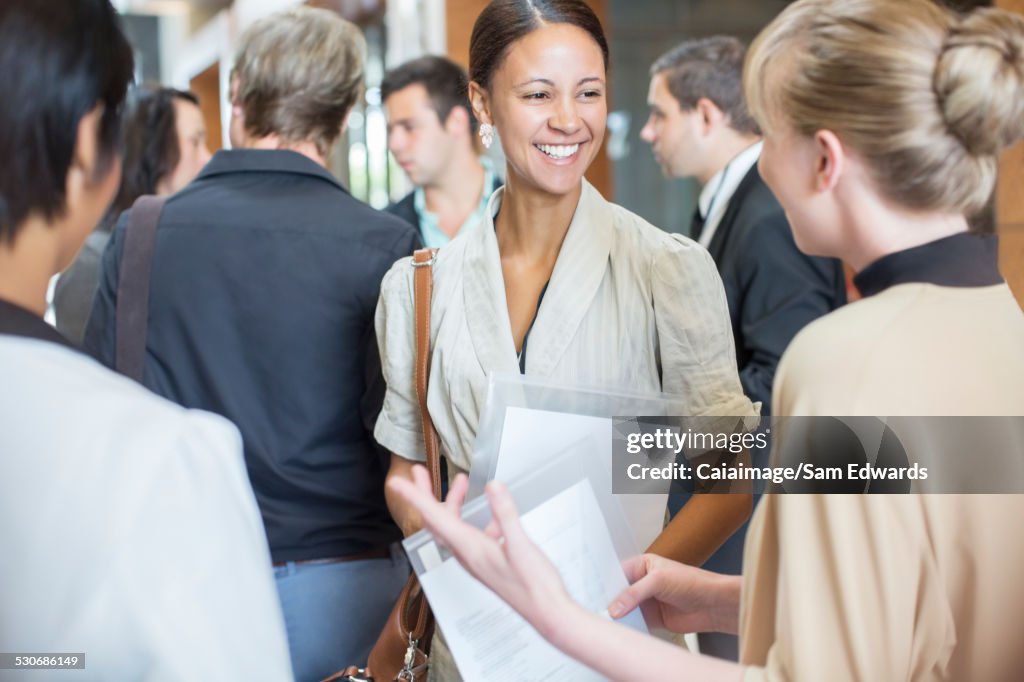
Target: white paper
<point x="531" y="438"/>
<point x="489" y="641"/>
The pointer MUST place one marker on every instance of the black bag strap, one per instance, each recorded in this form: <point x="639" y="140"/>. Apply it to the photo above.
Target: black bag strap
<point x="133" y="286"/>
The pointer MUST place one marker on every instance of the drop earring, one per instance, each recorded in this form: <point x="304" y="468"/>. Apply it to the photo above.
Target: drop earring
<point x="486" y="135"/>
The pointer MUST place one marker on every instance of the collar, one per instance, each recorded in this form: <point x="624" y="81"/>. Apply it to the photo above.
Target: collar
<point x="580" y="268"/>
<point x="266" y="160"/>
<point x="720" y="188"/>
<point x="961" y="260"/>
<point x="16" y="321"/>
<point x="430" y="230"/>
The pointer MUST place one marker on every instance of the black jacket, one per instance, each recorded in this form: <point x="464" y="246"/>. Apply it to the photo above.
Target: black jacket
<point x="773" y="289"/>
<point x="265" y="279"/>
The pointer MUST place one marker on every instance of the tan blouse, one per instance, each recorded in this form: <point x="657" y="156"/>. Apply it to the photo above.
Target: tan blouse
<point x="893" y="587"/>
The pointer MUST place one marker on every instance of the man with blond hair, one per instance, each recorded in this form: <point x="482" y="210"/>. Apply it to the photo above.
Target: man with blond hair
<point x="264" y="281"/>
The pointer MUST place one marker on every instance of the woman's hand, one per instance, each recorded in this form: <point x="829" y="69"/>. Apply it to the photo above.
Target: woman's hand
<point x="678" y="597"/>
<point x="501" y="557"/>
<point x="403" y="513"/>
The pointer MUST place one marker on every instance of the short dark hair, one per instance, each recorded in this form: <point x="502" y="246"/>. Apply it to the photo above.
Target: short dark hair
<point x="150" y="145"/>
<point x="58" y="60"/>
<point x="711" y="68"/>
<point x="505" y="21"/>
<point x="445" y="81"/>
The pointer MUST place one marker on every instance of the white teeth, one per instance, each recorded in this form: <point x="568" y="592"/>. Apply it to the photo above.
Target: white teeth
<point x="558" y="151"/>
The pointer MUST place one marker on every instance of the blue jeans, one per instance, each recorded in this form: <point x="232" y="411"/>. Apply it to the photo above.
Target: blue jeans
<point x="333" y="613"/>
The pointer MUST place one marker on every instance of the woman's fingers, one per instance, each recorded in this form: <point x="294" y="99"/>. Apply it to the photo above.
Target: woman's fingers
<point x="421" y="477"/>
<point x="502" y="556"/>
<point x="643" y="589"/>
<point x="492" y="531"/>
<point x="506" y="516"/>
<point x="636" y="567"/>
<point x="410" y="491"/>
<point x="457" y="493"/>
<point x="473" y="549"/>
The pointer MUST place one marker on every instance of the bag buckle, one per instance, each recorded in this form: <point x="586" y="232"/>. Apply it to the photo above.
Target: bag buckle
<point x="408" y="672"/>
<point x="426" y="263"/>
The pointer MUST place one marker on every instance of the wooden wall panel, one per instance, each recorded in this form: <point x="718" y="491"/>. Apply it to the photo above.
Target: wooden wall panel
<point x="459" y="18"/>
<point x="207" y="86"/>
<point x="1010" y="203"/>
<point x="1010" y="219"/>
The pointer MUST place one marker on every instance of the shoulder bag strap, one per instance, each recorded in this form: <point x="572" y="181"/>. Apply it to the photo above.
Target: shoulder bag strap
<point x="423" y="284"/>
<point x="132" y="314"/>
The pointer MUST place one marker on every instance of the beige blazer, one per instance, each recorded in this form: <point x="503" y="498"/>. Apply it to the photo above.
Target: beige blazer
<point x="627" y="306"/>
<point x="893" y="587"/>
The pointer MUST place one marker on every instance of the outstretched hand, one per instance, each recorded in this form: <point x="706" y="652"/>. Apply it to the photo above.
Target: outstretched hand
<point x="501" y="557"/>
<point x="678" y="597"/>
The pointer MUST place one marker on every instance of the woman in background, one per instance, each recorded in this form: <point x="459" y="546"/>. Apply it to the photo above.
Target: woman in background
<point x="883" y="122"/>
<point x="164" y="141"/>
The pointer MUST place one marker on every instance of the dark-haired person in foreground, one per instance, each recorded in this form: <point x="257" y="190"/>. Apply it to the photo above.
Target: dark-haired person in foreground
<point x="431" y="132"/>
<point x="164" y="142"/>
<point x="128" y="530"/>
<point x="265" y="278"/>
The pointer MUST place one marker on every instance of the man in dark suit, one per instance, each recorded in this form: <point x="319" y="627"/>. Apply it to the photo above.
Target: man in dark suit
<point x="699" y="127"/>
<point x="431" y="133"/>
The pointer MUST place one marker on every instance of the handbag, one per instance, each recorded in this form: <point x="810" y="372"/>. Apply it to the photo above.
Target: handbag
<point x="401" y="653"/>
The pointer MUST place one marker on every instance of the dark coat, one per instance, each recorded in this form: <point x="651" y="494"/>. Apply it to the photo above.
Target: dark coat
<point x="264" y="284"/>
<point x="773" y="289"/>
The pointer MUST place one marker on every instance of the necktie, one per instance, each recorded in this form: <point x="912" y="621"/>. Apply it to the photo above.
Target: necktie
<point x="696" y="224"/>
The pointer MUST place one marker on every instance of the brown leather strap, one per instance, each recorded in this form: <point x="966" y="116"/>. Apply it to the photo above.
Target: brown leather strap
<point x="423" y="285"/>
<point x="132" y="312"/>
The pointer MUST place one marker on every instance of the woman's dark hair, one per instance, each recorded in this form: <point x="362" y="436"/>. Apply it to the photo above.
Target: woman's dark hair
<point x="505" y="21"/>
<point x="58" y="60"/>
<point x="150" y="137"/>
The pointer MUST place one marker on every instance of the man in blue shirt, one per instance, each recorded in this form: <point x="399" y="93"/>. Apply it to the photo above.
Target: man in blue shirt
<point x="430" y="134"/>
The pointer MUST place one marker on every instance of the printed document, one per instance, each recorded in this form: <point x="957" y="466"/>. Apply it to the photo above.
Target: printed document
<point x="489" y="641"/>
<point x="532" y="438"/>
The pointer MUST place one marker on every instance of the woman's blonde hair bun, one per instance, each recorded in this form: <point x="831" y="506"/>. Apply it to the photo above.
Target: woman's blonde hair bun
<point x="979" y="81"/>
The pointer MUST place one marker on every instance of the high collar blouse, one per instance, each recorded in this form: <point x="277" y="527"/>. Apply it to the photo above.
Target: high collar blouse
<point x="628" y="306"/>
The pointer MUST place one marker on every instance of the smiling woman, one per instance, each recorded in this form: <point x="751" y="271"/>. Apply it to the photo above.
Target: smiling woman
<point x="559" y="283"/>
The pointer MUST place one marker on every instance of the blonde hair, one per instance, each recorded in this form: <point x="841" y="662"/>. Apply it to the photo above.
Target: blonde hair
<point x="298" y="75"/>
<point x="926" y="97"/>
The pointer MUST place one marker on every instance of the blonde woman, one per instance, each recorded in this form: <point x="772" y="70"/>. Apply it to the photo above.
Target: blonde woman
<point x="882" y="124"/>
